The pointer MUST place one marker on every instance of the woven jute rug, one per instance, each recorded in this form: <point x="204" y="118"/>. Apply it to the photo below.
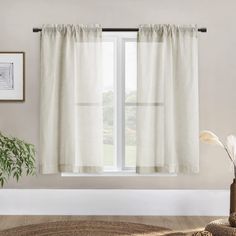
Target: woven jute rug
<point x="85" y="228"/>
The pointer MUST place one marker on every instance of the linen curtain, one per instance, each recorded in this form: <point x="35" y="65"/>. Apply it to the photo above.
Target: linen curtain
<point x="71" y="132"/>
<point x="167" y="99"/>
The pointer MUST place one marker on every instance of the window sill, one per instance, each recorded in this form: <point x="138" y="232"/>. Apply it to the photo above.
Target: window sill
<point x="116" y="173"/>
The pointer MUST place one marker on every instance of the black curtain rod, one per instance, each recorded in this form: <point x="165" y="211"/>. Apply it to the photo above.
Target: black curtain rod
<point x="35" y="30"/>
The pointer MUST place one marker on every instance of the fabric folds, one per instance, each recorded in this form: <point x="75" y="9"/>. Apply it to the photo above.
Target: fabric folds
<point x="167" y="122"/>
<point x="71" y="96"/>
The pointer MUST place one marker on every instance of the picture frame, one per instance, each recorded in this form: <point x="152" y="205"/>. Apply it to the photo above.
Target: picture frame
<point x="12" y="76"/>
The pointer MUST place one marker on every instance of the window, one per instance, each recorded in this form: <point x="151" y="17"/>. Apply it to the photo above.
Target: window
<point x="119" y="103"/>
<point x="119" y="100"/>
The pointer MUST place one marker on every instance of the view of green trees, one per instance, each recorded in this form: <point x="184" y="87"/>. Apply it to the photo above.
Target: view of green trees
<point x="130" y="128"/>
<point x="108" y="130"/>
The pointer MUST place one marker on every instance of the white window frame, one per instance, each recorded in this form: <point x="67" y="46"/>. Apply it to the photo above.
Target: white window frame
<point x="119" y="39"/>
<point x="108" y="38"/>
<point x="132" y="37"/>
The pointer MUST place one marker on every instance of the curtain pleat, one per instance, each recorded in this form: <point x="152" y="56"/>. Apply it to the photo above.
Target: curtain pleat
<point x="167" y="96"/>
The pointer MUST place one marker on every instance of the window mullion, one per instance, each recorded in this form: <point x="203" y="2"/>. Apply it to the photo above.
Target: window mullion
<point x="120" y="106"/>
<point x="122" y="69"/>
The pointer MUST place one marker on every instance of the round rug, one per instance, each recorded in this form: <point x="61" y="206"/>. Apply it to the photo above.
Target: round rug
<point x="85" y="228"/>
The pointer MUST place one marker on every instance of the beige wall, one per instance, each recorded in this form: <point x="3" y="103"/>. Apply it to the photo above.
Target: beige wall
<point x="217" y="76"/>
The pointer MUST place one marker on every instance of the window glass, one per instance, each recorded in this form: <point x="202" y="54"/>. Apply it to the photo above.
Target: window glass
<point x="130" y="102"/>
<point x="108" y="53"/>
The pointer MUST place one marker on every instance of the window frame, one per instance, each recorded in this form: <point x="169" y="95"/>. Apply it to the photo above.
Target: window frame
<point x="119" y="39"/>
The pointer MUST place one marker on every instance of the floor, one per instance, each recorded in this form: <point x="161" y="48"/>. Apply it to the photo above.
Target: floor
<point x="173" y="222"/>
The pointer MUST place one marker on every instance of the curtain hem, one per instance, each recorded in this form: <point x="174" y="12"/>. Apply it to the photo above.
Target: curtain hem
<point x="178" y="169"/>
<point x="70" y="169"/>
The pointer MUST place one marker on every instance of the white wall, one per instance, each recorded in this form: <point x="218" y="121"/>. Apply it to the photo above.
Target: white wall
<point x="217" y="76"/>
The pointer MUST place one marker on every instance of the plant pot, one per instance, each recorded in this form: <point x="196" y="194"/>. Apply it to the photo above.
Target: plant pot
<point x="233" y="197"/>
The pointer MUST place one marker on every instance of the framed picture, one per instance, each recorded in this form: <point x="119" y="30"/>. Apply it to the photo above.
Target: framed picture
<point x="12" y="73"/>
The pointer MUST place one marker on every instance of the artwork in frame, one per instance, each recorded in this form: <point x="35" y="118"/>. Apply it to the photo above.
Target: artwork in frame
<point x="12" y="76"/>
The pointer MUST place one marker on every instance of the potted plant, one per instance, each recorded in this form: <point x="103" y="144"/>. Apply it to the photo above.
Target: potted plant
<point x="16" y="158"/>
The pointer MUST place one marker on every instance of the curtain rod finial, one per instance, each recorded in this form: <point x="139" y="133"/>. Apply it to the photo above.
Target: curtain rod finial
<point x="202" y="30"/>
<point x="35" y="30"/>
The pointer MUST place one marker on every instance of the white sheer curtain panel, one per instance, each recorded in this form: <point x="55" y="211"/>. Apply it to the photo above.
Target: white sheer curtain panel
<point x="167" y="99"/>
<point x="71" y="126"/>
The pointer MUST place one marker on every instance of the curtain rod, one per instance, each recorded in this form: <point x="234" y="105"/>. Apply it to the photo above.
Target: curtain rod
<point x="36" y="30"/>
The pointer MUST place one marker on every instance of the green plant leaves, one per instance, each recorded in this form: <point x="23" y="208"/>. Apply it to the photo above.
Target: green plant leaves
<point x="16" y="158"/>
